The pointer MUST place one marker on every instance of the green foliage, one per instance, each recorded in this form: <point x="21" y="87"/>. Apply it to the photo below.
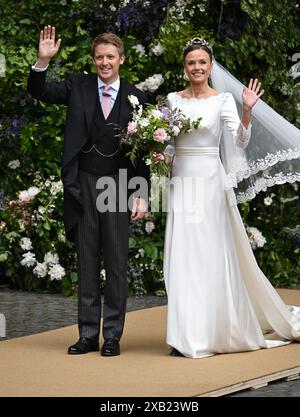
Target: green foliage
<point x="251" y="38"/>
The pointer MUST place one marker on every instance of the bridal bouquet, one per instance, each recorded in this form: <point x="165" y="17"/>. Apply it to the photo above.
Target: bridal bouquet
<point x="152" y="129"/>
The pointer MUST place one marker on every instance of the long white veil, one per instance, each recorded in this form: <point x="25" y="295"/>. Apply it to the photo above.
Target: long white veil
<point x="273" y="154"/>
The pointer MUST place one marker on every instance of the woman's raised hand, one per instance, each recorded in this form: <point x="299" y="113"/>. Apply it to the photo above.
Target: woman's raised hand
<point x="252" y="93"/>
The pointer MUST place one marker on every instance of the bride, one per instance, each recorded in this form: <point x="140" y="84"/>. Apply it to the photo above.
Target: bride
<point x="218" y="299"/>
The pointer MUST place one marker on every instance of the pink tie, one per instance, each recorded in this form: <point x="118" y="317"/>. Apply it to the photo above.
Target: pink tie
<point x="106" y="99"/>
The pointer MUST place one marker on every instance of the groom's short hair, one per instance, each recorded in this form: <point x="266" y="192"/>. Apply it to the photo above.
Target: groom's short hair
<point x="108" y="38"/>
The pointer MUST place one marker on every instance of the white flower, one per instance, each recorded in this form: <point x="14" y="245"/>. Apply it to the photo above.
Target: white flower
<point x="51" y="259"/>
<point x="149" y="227"/>
<point x="151" y="83"/>
<point x="157" y="114"/>
<point x="176" y="130"/>
<point x="56" y="272"/>
<point x="24" y="196"/>
<point x="142" y="252"/>
<point x="28" y="259"/>
<point x="29" y="194"/>
<point x="148" y="161"/>
<point x="14" y="164"/>
<point x="158" y="49"/>
<point x="268" y="201"/>
<point x="33" y="191"/>
<point x="134" y="101"/>
<point x="141" y="86"/>
<point x="42" y="210"/>
<point x="257" y="240"/>
<point x="40" y="270"/>
<point x="26" y="243"/>
<point x="56" y="187"/>
<point x="144" y="122"/>
<point x="112" y="8"/>
<point x="61" y="236"/>
<point x="140" y="50"/>
<point x="103" y="273"/>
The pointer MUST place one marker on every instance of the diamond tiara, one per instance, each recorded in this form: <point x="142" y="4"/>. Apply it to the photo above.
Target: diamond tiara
<point x="197" y="41"/>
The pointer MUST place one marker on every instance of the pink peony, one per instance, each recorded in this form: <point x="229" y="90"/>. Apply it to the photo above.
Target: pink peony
<point x="160" y="135"/>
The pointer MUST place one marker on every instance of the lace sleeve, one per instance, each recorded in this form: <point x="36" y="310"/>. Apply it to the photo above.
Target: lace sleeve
<point x="230" y="117"/>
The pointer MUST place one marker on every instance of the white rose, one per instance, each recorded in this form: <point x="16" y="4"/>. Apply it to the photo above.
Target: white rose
<point x="33" y="191"/>
<point x="51" y="258"/>
<point x="157" y="49"/>
<point x="28" y="259"/>
<point x="176" y="130"/>
<point x="14" y="164"/>
<point x="56" y="272"/>
<point x="25" y="243"/>
<point x="40" y="270"/>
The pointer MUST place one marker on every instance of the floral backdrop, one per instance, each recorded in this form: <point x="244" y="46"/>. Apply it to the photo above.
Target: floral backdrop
<point x="249" y="38"/>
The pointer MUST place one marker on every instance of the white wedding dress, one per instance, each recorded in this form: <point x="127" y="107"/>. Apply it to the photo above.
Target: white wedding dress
<point x="218" y="299"/>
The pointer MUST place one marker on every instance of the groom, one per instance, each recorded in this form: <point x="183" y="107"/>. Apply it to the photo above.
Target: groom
<point x="96" y="104"/>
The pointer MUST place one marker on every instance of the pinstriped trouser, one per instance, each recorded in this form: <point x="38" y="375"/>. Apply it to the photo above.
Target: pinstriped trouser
<point x="107" y="234"/>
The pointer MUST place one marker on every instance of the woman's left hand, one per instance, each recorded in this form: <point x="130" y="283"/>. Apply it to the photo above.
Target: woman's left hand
<point x="252" y="93"/>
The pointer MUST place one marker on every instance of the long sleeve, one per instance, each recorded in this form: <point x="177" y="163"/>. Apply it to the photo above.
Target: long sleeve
<point x="56" y="92"/>
<point x="230" y="117"/>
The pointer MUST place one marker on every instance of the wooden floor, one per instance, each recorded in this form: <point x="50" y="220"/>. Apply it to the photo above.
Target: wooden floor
<point x="287" y="375"/>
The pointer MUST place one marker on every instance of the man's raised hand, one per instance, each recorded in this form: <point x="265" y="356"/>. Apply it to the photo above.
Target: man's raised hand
<point x="47" y="46"/>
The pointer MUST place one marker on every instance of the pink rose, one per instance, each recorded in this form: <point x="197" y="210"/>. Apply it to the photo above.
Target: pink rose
<point x="160" y="135"/>
<point x="131" y="128"/>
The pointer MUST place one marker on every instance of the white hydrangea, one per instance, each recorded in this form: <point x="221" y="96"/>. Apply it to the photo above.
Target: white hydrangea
<point x="51" y="259"/>
<point x="149" y="227"/>
<point x="40" y="270"/>
<point x="56" y="272"/>
<point x="28" y="259"/>
<point x="151" y="83"/>
<point x="56" y="187"/>
<point x="257" y="240"/>
<point x="26" y="243"/>
<point x="14" y="164"/>
<point x="154" y="82"/>
<point x="140" y="50"/>
<point x="157" y="49"/>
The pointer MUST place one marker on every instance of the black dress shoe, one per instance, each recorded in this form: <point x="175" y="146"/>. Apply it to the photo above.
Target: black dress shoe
<point x="111" y="347"/>
<point x="175" y="352"/>
<point x="84" y="345"/>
